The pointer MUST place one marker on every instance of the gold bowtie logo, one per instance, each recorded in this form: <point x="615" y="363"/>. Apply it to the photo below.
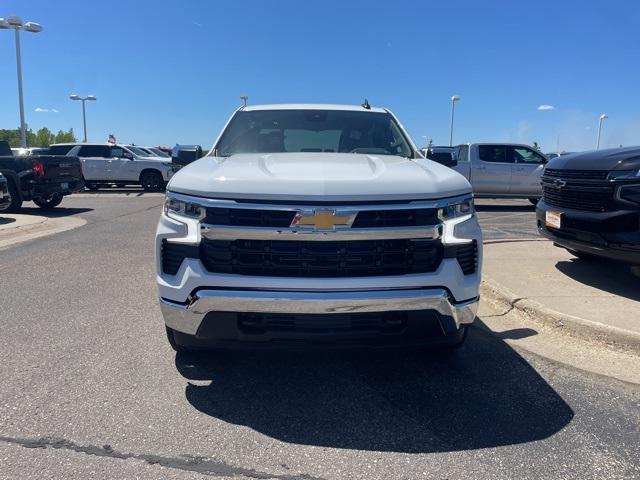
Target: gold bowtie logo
<point x="322" y="220"/>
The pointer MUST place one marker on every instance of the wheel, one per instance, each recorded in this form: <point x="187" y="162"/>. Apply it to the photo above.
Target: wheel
<point x="177" y="347"/>
<point x="151" y="181"/>
<point x="15" y="202"/>
<point x="47" y="203"/>
<point x="534" y="201"/>
<point x="588" y="257"/>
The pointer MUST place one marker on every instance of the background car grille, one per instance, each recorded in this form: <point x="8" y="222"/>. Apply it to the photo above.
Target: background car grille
<point x="282" y="258"/>
<point x="242" y="217"/>
<point x="576" y="197"/>
<point x="576" y="174"/>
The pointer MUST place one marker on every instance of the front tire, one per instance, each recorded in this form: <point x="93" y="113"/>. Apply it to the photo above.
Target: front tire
<point x="15" y="202"/>
<point x="177" y="347"/>
<point x="151" y="181"/>
<point x="50" y="202"/>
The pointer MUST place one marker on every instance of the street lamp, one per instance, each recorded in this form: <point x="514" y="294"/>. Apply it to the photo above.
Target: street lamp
<point x="602" y="117"/>
<point x="454" y="99"/>
<point x="16" y="24"/>
<point x="84" y="113"/>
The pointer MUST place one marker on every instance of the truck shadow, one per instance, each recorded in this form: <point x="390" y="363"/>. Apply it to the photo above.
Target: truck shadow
<point x="55" y="213"/>
<point x="608" y="277"/>
<point x="485" y="395"/>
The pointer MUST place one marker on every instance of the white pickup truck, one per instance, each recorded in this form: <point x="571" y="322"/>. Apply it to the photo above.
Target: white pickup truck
<point x="502" y="170"/>
<point x="106" y="163"/>
<point x="317" y="224"/>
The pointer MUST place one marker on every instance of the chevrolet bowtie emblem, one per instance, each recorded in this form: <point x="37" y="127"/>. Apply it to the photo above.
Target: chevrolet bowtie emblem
<point x="322" y="220"/>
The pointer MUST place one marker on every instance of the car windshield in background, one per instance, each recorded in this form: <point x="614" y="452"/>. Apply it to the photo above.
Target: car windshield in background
<point x="275" y="131"/>
<point x="159" y="153"/>
<point x="139" y="152"/>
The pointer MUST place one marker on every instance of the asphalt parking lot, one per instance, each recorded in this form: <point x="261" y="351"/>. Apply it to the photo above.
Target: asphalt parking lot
<point x="92" y="389"/>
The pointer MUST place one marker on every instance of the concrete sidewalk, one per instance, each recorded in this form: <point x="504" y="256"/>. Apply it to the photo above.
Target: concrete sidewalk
<point x="596" y="300"/>
<point x="16" y="228"/>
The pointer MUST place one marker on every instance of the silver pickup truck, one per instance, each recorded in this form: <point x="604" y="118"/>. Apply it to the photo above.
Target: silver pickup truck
<point x="501" y="170"/>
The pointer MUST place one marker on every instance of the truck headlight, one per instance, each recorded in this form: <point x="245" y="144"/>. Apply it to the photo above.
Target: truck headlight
<point x="623" y="174"/>
<point x="181" y="208"/>
<point x="456" y="210"/>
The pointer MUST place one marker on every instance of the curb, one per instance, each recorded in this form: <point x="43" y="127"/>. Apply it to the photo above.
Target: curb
<point x="572" y="325"/>
<point x="41" y="228"/>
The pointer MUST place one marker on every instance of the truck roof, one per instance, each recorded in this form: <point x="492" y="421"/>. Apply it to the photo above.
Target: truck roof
<point x="312" y="106"/>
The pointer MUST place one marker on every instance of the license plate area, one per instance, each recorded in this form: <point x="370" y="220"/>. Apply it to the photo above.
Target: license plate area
<point x="553" y="219"/>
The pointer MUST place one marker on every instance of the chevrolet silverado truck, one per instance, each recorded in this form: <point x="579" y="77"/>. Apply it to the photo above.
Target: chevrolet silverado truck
<point x="317" y="224"/>
<point x="591" y="204"/>
<point x="45" y="179"/>
<point x="502" y="170"/>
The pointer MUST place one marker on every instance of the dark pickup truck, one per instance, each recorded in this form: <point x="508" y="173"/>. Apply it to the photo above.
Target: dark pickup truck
<point x="45" y="179"/>
<point x="591" y="204"/>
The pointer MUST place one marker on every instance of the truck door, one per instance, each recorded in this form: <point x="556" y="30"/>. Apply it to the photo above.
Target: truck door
<point x="491" y="170"/>
<point x="118" y="164"/>
<point x="527" y="170"/>
<point x="94" y="160"/>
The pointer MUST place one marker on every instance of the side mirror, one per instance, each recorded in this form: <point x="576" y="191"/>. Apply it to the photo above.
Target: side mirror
<point x="127" y="155"/>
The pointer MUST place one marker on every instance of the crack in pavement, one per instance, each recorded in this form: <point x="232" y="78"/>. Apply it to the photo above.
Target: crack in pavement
<point x="190" y="463"/>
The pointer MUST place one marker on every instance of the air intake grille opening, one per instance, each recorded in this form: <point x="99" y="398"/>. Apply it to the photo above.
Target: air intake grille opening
<point x="467" y="256"/>
<point x="173" y="254"/>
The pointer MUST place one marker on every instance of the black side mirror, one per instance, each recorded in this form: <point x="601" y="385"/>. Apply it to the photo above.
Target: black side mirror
<point x="127" y="155"/>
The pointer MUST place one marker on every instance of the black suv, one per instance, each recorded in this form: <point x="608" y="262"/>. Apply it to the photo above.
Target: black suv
<point x="591" y="204"/>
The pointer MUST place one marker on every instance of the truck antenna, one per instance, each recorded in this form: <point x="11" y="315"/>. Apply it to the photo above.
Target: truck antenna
<point x="366" y="104"/>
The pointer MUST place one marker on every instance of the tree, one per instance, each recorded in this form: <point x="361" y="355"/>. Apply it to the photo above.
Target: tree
<point x="65" y="137"/>
<point x="42" y="138"/>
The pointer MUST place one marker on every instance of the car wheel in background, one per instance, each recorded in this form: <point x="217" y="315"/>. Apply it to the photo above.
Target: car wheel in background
<point x="151" y="181"/>
<point x="15" y="202"/>
<point x="49" y="202"/>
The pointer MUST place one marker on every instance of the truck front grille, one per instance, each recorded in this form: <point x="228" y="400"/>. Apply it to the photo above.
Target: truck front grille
<point x="281" y="258"/>
<point x="579" y="197"/>
<point x="247" y="217"/>
<point x="467" y="256"/>
<point x="576" y="174"/>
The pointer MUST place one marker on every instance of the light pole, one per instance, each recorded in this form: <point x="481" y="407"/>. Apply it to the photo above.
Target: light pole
<point x="602" y="117"/>
<point x="16" y="24"/>
<point x="84" y="113"/>
<point x="454" y="99"/>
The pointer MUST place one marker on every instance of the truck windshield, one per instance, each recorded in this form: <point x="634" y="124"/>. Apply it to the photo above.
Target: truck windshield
<point x="273" y="131"/>
<point x="138" y="151"/>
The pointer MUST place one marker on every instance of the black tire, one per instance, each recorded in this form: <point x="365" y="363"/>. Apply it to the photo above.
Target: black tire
<point x="588" y="257"/>
<point x="453" y="343"/>
<point x="15" y="202"/>
<point x="534" y="201"/>
<point x="50" y="202"/>
<point x="177" y="347"/>
<point x="151" y="181"/>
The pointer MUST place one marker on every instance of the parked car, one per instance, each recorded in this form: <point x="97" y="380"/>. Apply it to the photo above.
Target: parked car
<point x="44" y="179"/>
<point x="182" y="155"/>
<point x="5" y="199"/>
<point x="317" y="224"/>
<point x="105" y="163"/>
<point x="502" y="170"/>
<point x="447" y="156"/>
<point x="157" y="152"/>
<point x="591" y="204"/>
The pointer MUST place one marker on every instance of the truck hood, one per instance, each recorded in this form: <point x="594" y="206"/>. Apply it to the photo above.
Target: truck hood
<point x="318" y="177"/>
<point x="610" y="159"/>
<point x="154" y="159"/>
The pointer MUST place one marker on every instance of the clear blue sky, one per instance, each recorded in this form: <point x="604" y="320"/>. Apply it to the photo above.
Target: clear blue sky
<point x="172" y="71"/>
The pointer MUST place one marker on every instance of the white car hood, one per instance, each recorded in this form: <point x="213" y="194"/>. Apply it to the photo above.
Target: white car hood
<point x="318" y="177"/>
<point x="154" y="159"/>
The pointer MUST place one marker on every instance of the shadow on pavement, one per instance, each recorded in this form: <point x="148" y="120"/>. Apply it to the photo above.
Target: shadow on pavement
<point x="610" y="277"/>
<point x="485" y="395"/>
<point x="5" y="220"/>
<point x="129" y="191"/>
<point x="55" y="213"/>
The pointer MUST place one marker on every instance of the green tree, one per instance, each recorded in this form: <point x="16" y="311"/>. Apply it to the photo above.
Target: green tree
<point x="43" y="138"/>
<point x="65" y="137"/>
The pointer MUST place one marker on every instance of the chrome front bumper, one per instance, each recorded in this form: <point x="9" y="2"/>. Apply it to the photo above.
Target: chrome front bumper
<point x="187" y="317"/>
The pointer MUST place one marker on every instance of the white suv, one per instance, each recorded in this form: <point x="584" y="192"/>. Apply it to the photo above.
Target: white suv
<point x="105" y="163"/>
